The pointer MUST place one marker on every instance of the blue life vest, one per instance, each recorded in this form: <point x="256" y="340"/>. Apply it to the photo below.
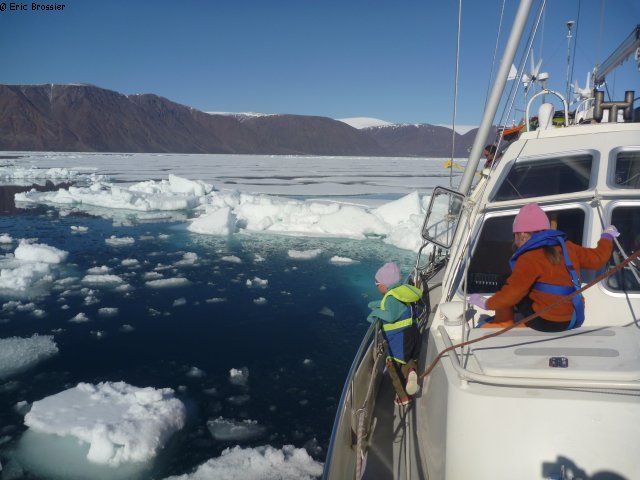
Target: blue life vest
<point x="553" y="238"/>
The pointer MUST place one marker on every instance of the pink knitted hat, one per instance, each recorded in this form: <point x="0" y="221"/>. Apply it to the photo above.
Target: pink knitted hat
<point x="531" y="218"/>
<point x="388" y="274"/>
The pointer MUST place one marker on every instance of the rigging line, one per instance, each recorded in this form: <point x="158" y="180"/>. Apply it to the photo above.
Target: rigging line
<point x="513" y="92"/>
<point x="575" y="43"/>
<point x="455" y="96"/>
<point x="495" y="51"/>
<point x="567" y="298"/>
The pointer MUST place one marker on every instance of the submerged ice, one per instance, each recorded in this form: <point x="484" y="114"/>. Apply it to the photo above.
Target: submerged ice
<point x="120" y="423"/>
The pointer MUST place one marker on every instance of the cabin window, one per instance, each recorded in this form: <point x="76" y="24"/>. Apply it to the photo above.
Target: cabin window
<point x="489" y="267"/>
<point x="627" y="220"/>
<point x="549" y="176"/>
<point x="627" y="170"/>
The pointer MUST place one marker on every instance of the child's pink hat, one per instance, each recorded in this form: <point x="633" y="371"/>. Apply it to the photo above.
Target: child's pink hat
<point x="531" y="218"/>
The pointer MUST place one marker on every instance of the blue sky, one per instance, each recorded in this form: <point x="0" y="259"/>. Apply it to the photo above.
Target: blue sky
<point x="392" y="60"/>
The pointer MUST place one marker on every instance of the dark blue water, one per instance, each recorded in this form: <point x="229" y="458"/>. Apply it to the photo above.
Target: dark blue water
<point x="296" y="352"/>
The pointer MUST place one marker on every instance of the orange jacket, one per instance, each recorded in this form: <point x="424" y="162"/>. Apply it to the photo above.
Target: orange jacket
<point x="533" y="266"/>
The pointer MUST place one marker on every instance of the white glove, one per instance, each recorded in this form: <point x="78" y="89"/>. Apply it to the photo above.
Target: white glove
<point x="611" y="230"/>
<point x="477" y="300"/>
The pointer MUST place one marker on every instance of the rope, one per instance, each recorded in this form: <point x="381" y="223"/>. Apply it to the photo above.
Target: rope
<point x="495" y="51"/>
<point x="362" y="413"/>
<point x="567" y="298"/>
<point x="455" y="96"/>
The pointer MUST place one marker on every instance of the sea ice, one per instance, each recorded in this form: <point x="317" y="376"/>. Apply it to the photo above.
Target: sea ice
<point x="261" y="463"/>
<point x="168" y="282"/>
<point x="120" y="423"/>
<point x="228" y="430"/>
<point x="18" y="354"/>
<point x="239" y="376"/>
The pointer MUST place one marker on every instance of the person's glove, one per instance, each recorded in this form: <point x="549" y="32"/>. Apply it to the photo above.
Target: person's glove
<point x="477" y="300"/>
<point x="610" y="232"/>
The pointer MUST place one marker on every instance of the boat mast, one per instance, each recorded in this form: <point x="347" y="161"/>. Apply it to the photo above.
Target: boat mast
<point x="496" y="93"/>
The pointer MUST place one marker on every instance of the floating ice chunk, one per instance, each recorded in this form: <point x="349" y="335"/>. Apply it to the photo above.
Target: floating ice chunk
<point x="178" y="302"/>
<point x="231" y="259"/>
<point x="258" y="258"/>
<point x="119" y="241"/>
<point x="121" y="423"/>
<point x="90" y="300"/>
<point x="24" y="276"/>
<point x="36" y="252"/>
<point x="239" y="376"/>
<point x="106" y="280"/>
<point x="168" y="282"/>
<point x="341" y="260"/>
<point x="108" y="311"/>
<point x="5" y="238"/>
<point x="257" y="282"/>
<point x="220" y="221"/>
<point x="99" y="270"/>
<point x="260" y="301"/>
<point x="18" y="354"/>
<point x="80" y="318"/>
<point x="126" y="328"/>
<point x="227" y="430"/>
<point x="188" y="259"/>
<point x="152" y="276"/>
<point x="195" y="372"/>
<point x="260" y="463"/>
<point x="215" y="300"/>
<point x="79" y="229"/>
<point x="327" y="311"/>
<point x="304" y="254"/>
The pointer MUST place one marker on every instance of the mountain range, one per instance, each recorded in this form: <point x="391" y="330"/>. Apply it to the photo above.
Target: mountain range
<point x="92" y="119"/>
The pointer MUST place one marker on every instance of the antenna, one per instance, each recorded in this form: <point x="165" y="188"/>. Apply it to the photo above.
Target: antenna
<point x="570" y="25"/>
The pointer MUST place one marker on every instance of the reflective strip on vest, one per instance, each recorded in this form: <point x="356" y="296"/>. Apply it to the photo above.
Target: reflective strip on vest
<point x="387" y="327"/>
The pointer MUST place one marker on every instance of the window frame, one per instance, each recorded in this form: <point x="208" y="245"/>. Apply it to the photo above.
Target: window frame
<point x="463" y="271"/>
<point x="611" y="170"/>
<point x="593" y="174"/>
<point x="608" y="215"/>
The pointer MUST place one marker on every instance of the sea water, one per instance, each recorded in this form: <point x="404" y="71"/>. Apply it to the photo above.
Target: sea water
<point x="290" y="325"/>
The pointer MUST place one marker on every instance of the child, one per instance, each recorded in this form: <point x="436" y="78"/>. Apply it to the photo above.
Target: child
<point x="399" y="329"/>
<point x="544" y="268"/>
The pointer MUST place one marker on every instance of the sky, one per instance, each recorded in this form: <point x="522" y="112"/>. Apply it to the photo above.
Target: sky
<point x="394" y="61"/>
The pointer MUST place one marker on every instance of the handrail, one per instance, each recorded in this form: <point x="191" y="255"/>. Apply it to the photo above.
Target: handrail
<point x="546" y="91"/>
<point x="537" y="382"/>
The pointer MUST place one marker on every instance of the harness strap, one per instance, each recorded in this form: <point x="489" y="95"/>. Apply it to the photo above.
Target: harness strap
<point x="577" y="319"/>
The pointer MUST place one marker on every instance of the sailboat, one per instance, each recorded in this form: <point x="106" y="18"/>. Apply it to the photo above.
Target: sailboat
<point x="515" y="403"/>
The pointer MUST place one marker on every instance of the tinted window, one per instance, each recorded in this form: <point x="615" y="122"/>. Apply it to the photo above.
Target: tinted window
<point x="489" y="266"/>
<point x="627" y="220"/>
<point x="627" y="173"/>
<point x="549" y="176"/>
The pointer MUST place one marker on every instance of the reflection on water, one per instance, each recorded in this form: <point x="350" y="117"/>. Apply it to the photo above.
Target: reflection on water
<point x="8" y="192"/>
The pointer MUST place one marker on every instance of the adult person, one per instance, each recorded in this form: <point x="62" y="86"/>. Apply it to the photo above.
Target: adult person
<point x="489" y="153"/>
<point x="399" y="329"/>
<point x="544" y="268"/>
